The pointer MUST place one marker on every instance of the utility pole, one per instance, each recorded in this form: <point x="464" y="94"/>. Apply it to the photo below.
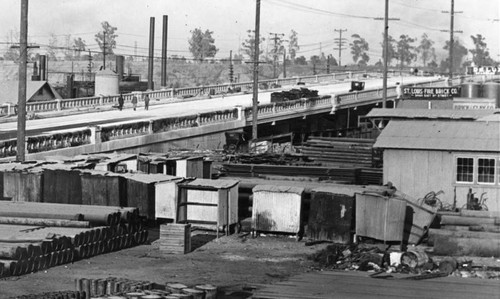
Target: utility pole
<point x="255" y="100"/>
<point x="385" y="50"/>
<point x="231" y="70"/>
<point x="340" y="42"/>
<point x="276" y="38"/>
<point x="452" y="13"/>
<point x="284" y="63"/>
<point x="104" y="50"/>
<point x="21" y="101"/>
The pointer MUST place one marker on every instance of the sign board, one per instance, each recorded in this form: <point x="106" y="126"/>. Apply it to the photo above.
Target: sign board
<point x="474" y="104"/>
<point x="482" y="70"/>
<point x="431" y="92"/>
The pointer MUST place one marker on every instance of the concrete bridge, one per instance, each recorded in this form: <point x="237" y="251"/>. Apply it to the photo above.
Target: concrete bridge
<point x="173" y="122"/>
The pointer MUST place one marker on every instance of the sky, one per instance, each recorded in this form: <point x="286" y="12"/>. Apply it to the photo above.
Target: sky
<point x="315" y="21"/>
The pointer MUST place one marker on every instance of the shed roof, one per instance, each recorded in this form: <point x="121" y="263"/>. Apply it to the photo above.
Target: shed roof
<point x="452" y="114"/>
<point x="150" y="178"/>
<point x="477" y="136"/>
<point x="9" y="90"/>
<point x="279" y="189"/>
<point x="218" y="184"/>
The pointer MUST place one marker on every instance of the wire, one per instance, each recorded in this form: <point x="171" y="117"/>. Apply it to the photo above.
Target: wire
<point x="315" y="10"/>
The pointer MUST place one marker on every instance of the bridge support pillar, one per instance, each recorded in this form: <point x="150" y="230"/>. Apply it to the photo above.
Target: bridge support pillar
<point x="150" y="127"/>
<point x="239" y="112"/>
<point x="95" y="134"/>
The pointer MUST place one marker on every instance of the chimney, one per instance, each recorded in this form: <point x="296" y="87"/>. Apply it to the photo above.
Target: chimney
<point x="43" y="67"/>
<point x="151" y="52"/>
<point x="119" y="66"/>
<point x="35" y="76"/>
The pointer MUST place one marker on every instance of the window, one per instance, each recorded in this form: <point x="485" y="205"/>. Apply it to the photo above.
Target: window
<point x="465" y="170"/>
<point x="486" y="170"/>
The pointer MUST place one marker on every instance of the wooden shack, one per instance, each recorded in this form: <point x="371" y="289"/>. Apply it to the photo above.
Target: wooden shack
<point x="118" y="163"/>
<point x="61" y="184"/>
<point x="143" y="190"/>
<point x="380" y="217"/>
<point x="191" y="167"/>
<point x="21" y="183"/>
<point x="277" y="209"/>
<point x="331" y="215"/>
<point x="209" y="202"/>
<point x="452" y="156"/>
<point x="103" y="188"/>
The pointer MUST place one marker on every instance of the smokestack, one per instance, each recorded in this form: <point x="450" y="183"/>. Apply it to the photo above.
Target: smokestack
<point x="164" y="52"/>
<point x="119" y="66"/>
<point x="43" y="68"/>
<point x="151" y="52"/>
<point x="35" y="76"/>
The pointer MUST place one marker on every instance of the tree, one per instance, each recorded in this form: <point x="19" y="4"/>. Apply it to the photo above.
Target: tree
<point x="293" y="45"/>
<point x="79" y="46"/>
<point x="391" y="52"/>
<point x="106" y="39"/>
<point x="405" y="51"/>
<point x="426" y="50"/>
<point x="359" y="47"/>
<point x="301" y="60"/>
<point x="249" y="45"/>
<point x="53" y="47"/>
<point x="459" y="52"/>
<point x="201" y="44"/>
<point x="12" y="53"/>
<point x="480" y="53"/>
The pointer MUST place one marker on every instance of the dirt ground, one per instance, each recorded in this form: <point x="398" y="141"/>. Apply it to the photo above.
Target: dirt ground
<point x="235" y="264"/>
<point x="232" y="263"/>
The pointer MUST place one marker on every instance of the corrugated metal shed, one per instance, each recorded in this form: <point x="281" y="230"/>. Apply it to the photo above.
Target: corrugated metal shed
<point x="402" y="113"/>
<point x="476" y="136"/>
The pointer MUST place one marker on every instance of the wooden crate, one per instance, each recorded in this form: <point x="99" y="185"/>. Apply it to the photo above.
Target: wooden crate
<point x="331" y="216"/>
<point x="380" y="217"/>
<point x="277" y="209"/>
<point x="175" y="238"/>
<point x="190" y="167"/>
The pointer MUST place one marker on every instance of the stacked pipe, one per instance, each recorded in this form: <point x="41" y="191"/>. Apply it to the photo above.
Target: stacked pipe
<point x="55" y="295"/>
<point x="30" y="248"/>
<point x="113" y="286"/>
<point x="96" y="215"/>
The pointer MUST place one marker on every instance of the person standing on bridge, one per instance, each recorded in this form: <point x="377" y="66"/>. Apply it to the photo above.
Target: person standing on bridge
<point x="120" y="102"/>
<point x="134" y="102"/>
<point x="146" y="102"/>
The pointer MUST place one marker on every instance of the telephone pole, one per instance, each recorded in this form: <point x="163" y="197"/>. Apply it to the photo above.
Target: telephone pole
<point x="340" y="43"/>
<point x="277" y="42"/>
<point x="21" y="101"/>
<point x="452" y="13"/>
<point x="385" y="50"/>
<point x="255" y="99"/>
<point x="104" y="50"/>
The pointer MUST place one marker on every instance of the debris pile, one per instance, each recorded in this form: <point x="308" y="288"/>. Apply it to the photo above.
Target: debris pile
<point x="366" y="257"/>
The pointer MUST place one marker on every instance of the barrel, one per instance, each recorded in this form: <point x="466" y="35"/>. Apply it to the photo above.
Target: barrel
<point x="471" y="90"/>
<point x="414" y="258"/>
<point x="491" y="90"/>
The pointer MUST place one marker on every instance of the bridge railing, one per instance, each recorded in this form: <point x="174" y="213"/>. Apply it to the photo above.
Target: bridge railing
<point x="126" y="130"/>
<point x="64" y="104"/>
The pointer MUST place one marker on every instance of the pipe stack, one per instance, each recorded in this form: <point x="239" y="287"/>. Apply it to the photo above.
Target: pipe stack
<point x="55" y="295"/>
<point x="30" y="248"/>
<point x="111" y="287"/>
<point x="96" y="215"/>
